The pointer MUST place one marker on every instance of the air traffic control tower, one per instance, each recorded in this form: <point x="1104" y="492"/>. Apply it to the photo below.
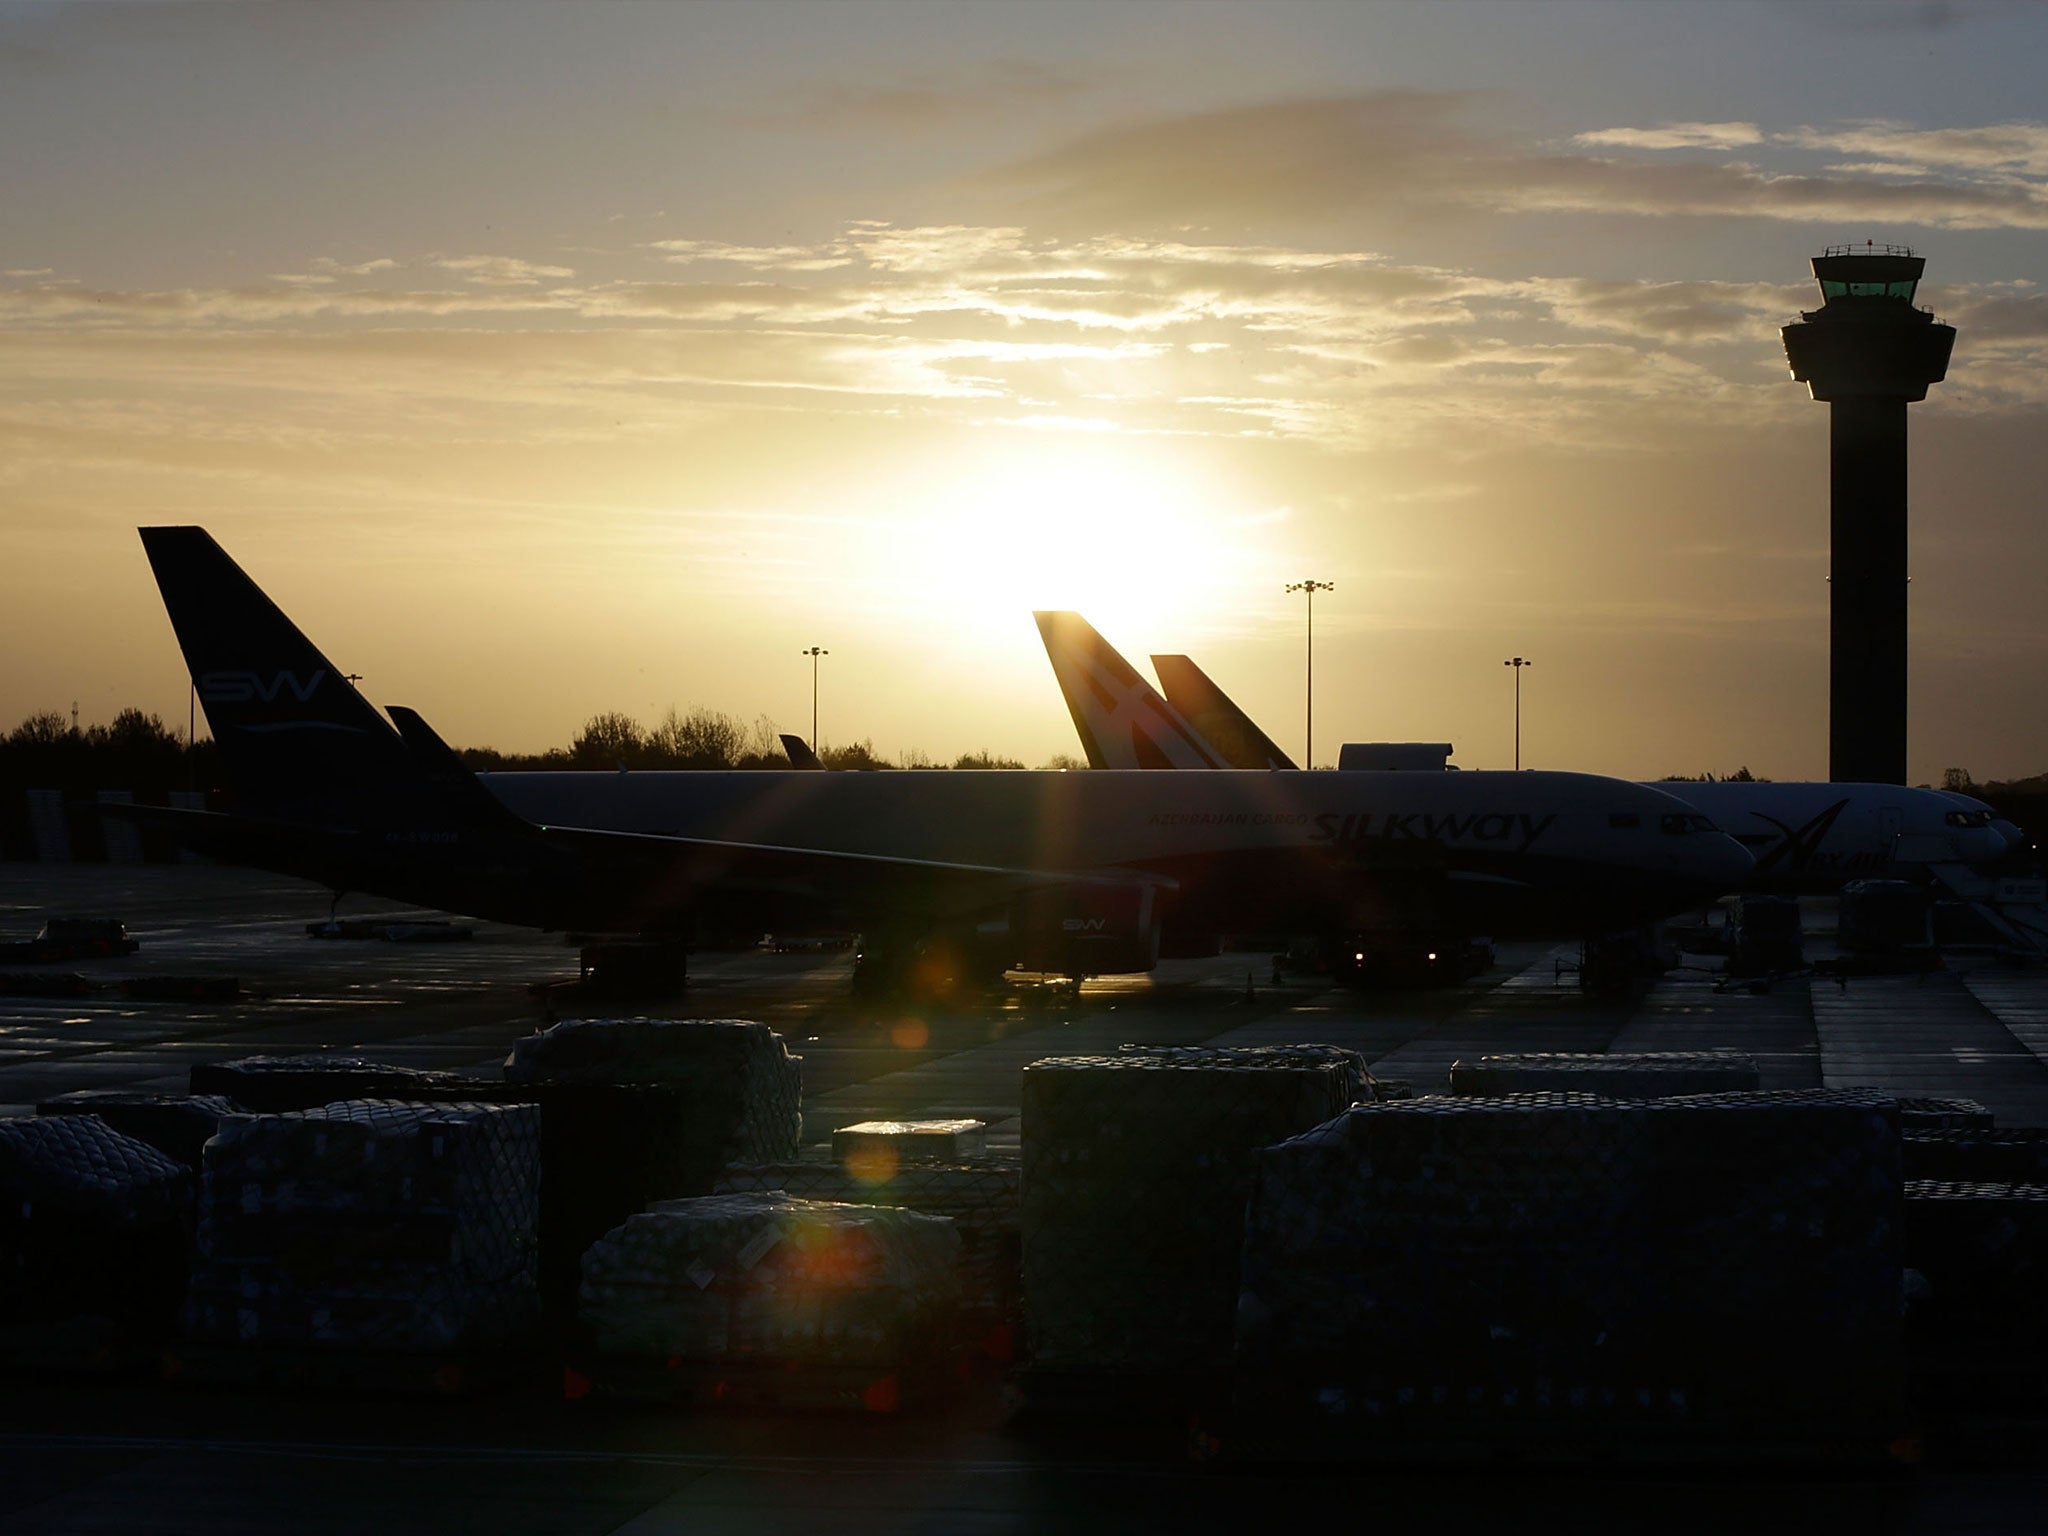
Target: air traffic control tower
<point x="1868" y="353"/>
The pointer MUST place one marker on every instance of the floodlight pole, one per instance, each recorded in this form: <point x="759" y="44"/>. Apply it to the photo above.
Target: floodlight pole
<point x="1518" y="663"/>
<point x="1311" y="588"/>
<point x="814" y="653"/>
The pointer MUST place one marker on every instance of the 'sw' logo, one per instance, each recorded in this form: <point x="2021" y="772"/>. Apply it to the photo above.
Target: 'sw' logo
<point x="255" y="688"/>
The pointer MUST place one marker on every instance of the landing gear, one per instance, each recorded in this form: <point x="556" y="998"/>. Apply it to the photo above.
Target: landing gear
<point x="1614" y="965"/>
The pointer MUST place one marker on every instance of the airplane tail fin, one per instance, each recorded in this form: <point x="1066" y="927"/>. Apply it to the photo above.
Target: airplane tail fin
<point x="457" y="786"/>
<point x="800" y="753"/>
<point x="288" y="722"/>
<point x="1216" y="715"/>
<point x="1123" y="721"/>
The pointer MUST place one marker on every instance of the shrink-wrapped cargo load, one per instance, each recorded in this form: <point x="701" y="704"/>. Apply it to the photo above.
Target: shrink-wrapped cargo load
<point x="370" y="1225"/>
<point x="770" y="1279"/>
<point x="980" y="1200"/>
<point x="1725" y="1264"/>
<point x="1136" y="1171"/>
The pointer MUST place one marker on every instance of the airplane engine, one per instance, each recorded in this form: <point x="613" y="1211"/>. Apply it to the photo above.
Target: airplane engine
<point x="1103" y="930"/>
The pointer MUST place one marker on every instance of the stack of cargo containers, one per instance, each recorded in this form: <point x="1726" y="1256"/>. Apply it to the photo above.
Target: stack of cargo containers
<point x="1136" y="1172"/>
<point x="1562" y="1270"/>
<point x="369" y="1226"/>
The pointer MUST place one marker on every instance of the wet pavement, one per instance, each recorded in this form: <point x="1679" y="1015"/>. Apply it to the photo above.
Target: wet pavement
<point x="135" y="1456"/>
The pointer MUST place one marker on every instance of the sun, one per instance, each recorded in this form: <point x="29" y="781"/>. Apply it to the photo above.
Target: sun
<point x="1135" y="542"/>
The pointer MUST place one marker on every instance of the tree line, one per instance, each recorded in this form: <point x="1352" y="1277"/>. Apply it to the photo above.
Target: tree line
<point x="137" y="751"/>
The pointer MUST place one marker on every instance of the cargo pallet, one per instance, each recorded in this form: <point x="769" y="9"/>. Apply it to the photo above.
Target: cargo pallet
<point x="450" y="1373"/>
<point x="768" y="1387"/>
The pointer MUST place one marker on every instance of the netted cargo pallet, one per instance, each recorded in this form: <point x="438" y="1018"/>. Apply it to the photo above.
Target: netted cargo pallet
<point x="93" y="1239"/>
<point x="177" y="1125"/>
<point x="1920" y="1115"/>
<point x="1721" y="1271"/>
<point x="1136" y="1171"/>
<point x="608" y="1147"/>
<point x="745" y="1089"/>
<point x="980" y="1200"/>
<point x="1359" y="1082"/>
<point x="2002" y="1155"/>
<point x="769" y="1279"/>
<point x="1978" y="1257"/>
<point x="369" y="1225"/>
<point x="1629" y="1075"/>
<point x="276" y="1085"/>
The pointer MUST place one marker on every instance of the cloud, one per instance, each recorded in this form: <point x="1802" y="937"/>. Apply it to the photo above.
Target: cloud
<point x="1406" y="158"/>
<point x="1674" y="312"/>
<point x="2019" y="149"/>
<point x="767" y="258"/>
<point x="1676" y="136"/>
<point x="325" y="269"/>
<point x="500" y="271"/>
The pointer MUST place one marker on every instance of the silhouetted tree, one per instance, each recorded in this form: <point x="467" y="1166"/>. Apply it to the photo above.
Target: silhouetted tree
<point x="1957" y="780"/>
<point x="858" y="754"/>
<point x="1064" y="760"/>
<point x="704" y="738"/>
<point x="984" y="760"/>
<point x="609" y="740"/>
<point x="44" y="728"/>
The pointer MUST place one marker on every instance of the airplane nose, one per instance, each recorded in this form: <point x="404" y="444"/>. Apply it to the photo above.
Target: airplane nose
<point x="1724" y="862"/>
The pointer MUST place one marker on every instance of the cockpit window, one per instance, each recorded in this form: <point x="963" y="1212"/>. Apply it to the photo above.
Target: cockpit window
<point x="1970" y="819"/>
<point x="1682" y="823"/>
<point x="1623" y="819"/>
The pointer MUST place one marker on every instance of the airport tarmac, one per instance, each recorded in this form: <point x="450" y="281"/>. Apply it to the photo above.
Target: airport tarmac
<point x="138" y="1456"/>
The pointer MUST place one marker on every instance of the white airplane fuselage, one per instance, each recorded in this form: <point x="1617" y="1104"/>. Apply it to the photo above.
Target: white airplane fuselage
<point x="1515" y="853"/>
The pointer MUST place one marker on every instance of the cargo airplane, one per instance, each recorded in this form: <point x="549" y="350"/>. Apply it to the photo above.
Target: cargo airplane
<point x="1070" y="873"/>
<point x="1803" y="836"/>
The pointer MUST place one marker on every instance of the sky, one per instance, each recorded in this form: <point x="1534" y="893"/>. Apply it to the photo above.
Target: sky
<point x="543" y="360"/>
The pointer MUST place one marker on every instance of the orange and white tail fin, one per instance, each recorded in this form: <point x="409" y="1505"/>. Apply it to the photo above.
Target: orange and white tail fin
<point x="1123" y="720"/>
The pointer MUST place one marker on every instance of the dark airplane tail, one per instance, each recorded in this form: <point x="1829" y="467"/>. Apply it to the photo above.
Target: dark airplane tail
<point x="1215" y="714"/>
<point x="290" y="726"/>
<point x="800" y="753"/>
<point x="457" y="791"/>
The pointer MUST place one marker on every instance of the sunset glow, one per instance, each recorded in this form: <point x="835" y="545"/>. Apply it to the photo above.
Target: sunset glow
<point x="825" y="325"/>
